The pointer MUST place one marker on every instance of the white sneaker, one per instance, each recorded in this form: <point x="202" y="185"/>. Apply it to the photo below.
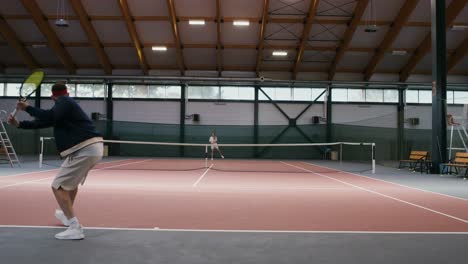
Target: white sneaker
<point x="61" y="217"/>
<point x="72" y="233"/>
<point x="211" y="158"/>
<point x="222" y="157"/>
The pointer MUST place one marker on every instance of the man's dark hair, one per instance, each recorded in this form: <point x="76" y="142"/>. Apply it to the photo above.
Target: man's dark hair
<point x="59" y="87"/>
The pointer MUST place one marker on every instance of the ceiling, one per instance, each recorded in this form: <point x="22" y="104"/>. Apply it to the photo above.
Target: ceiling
<point x="324" y="39"/>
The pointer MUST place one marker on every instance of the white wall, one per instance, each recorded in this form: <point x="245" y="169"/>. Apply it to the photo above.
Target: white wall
<point x="88" y="106"/>
<point x="9" y="105"/>
<point x="238" y="113"/>
<point x="225" y="113"/>
<point x="270" y="115"/>
<point x="424" y="113"/>
<point x="365" y="115"/>
<point x="166" y="112"/>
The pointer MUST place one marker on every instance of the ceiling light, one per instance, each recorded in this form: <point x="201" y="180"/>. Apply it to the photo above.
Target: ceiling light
<point x="196" y="22"/>
<point x="241" y="23"/>
<point x="371" y="29"/>
<point x="280" y="53"/>
<point x="61" y="22"/>
<point x="37" y="46"/>
<point x="399" y="52"/>
<point x="459" y="27"/>
<point x="159" y="48"/>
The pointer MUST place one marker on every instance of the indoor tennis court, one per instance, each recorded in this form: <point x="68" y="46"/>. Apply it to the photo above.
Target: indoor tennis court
<point x="234" y="131"/>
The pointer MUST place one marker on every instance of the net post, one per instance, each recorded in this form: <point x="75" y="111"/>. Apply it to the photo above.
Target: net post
<point x="41" y="151"/>
<point x="206" y="156"/>
<point x="373" y="158"/>
<point x="341" y="153"/>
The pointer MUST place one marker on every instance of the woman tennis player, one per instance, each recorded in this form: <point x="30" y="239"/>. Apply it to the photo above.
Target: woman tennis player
<point x="77" y="141"/>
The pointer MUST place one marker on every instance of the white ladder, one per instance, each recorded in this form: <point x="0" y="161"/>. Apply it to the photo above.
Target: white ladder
<point x="5" y="144"/>
<point x="460" y="128"/>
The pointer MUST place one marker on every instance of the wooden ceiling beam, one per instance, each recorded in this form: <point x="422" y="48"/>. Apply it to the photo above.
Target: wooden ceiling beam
<point x="225" y="46"/>
<point x="219" y="45"/>
<point x="390" y="37"/>
<point x="52" y="39"/>
<point x="227" y="68"/>
<point x="133" y="35"/>
<point x="281" y="20"/>
<point x="92" y="35"/>
<point x="455" y="7"/>
<point x="348" y="36"/>
<point x="305" y="35"/>
<point x="175" y="33"/>
<point x="14" y="42"/>
<point x="258" y="67"/>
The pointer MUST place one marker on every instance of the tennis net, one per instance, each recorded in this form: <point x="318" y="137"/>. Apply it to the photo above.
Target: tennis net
<point x="166" y="156"/>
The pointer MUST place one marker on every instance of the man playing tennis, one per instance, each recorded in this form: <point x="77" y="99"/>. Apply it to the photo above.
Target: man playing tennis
<point x="214" y="145"/>
<point x="77" y="141"/>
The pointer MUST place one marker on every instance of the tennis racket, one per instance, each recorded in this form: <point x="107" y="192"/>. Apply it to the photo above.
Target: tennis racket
<point x="29" y="86"/>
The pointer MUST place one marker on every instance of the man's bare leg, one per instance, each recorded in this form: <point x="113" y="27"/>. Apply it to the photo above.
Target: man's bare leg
<point x="73" y="195"/>
<point x="65" y="201"/>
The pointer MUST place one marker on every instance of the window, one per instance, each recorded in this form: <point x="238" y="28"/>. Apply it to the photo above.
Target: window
<point x="461" y="97"/>
<point x="46" y="89"/>
<point x="12" y="89"/>
<point x="412" y="96"/>
<point x="120" y="91"/>
<point x="246" y="93"/>
<point x="237" y="93"/>
<point x="302" y="94"/>
<point x="390" y="96"/>
<point x="164" y="92"/>
<point x="318" y="91"/>
<point x="425" y="96"/>
<point x="283" y="94"/>
<point x="173" y="92"/>
<point x="339" y="95"/>
<point x="2" y="89"/>
<point x="157" y="91"/>
<point x="356" y="95"/>
<point x="374" y="95"/>
<point x="90" y="90"/>
<point x="138" y="91"/>
<point x="203" y="92"/>
<point x="271" y="92"/>
<point x="449" y="97"/>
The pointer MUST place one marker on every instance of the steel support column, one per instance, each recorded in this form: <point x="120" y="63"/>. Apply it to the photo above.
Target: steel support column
<point x="401" y="123"/>
<point x="439" y="89"/>
<point x="110" y="119"/>
<point x="329" y="114"/>
<point x="183" y="97"/>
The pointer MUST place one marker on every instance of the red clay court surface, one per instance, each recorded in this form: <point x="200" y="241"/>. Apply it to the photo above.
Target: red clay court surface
<point x="207" y="199"/>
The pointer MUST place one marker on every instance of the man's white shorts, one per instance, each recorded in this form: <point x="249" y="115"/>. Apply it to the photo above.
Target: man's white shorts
<point x="76" y="166"/>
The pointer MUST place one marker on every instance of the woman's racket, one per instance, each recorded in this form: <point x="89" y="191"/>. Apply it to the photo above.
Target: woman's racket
<point x="31" y="83"/>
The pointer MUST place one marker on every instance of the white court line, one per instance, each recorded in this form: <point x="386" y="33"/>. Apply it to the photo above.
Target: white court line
<point x="401" y="185"/>
<point x="210" y="189"/>
<point x="157" y="229"/>
<point x="201" y="177"/>
<point x="119" y="165"/>
<point x="381" y="194"/>
<point x="33" y="181"/>
<point x="5" y="177"/>
<point x="25" y="182"/>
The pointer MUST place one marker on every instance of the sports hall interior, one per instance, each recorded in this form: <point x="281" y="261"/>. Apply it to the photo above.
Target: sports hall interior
<point x="342" y="126"/>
